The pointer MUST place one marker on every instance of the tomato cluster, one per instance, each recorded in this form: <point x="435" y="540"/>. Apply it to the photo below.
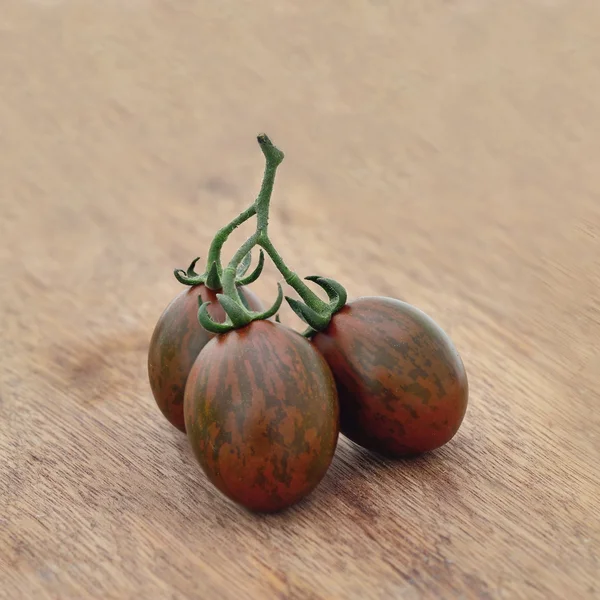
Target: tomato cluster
<point x="262" y="405"/>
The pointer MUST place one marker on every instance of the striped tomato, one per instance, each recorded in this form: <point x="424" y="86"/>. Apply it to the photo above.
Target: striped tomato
<point x="402" y="386"/>
<point x="176" y="342"/>
<point x="261" y="413"/>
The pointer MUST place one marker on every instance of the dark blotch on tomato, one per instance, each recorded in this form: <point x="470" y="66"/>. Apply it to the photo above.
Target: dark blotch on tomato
<point x="262" y="415"/>
<point x="176" y="342"/>
<point x="401" y="383"/>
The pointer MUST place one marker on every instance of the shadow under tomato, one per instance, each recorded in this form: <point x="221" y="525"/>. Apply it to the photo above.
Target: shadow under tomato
<point x="356" y="482"/>
<point x="361" y="479"/>
<point x="374" y="463"/>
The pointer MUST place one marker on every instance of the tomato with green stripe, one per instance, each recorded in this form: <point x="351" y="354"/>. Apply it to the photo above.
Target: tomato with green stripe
<point x="402" y="385"/>
<point x="261" y="413"/>
<point x="176" y="342"/>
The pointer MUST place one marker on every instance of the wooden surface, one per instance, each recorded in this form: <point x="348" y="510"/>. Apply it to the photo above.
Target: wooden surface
<point x="442" y="152"/>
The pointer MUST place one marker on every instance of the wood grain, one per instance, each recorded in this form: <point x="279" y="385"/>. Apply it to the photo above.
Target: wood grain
<point x="442" y="152"/>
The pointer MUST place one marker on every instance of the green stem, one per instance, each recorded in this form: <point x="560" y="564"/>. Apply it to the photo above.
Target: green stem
<point x="228" y="279"/>
<point x="260" y="206"/>
<point x="273" y="157"/>
<point x="314" y="311"/>
<point x="214" y="252"/>
<point x="290" y="277"/>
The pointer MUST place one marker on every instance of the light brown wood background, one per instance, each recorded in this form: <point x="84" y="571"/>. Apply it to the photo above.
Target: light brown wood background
<point x="443" y="152"/>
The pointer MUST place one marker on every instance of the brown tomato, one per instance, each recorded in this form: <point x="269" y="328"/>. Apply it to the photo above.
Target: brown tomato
<point x="176" y="342"/>
<point x="261" y="413"/>
<point x="402" y="386"/>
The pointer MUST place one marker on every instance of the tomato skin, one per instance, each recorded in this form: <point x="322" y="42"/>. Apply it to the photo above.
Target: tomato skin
<point x="175" y="344"/>
<point x="401" y="383"/>
<point x="262" y="415"/>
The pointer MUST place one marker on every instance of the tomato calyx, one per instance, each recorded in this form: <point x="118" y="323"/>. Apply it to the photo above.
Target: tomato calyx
<point x="318" y="320"/>
<point x="212" y="276"/>
<point x="238" y="315"/>
<point x="243" y="268"/>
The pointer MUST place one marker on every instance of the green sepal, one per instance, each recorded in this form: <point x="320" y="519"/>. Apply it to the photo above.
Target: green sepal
<point x="238" y="315"/>
<point x="185" y="279"/>
<point x="316" y="320"/>
<point x="189" y="277"/>
<point x="206" y="321"/>
<point x="335" y="291"/>
<point x="243" y="267"/>
<point x="267" y="314"/>
<point x="213" y="278"/>
<point x="308" y="333"/>
<point x="244" y="299"/>
<point x="190" y="270"/>
<point x="256" y="273"/>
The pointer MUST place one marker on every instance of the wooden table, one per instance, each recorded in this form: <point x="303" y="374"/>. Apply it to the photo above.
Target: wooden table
<point x="442" y="152"/>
